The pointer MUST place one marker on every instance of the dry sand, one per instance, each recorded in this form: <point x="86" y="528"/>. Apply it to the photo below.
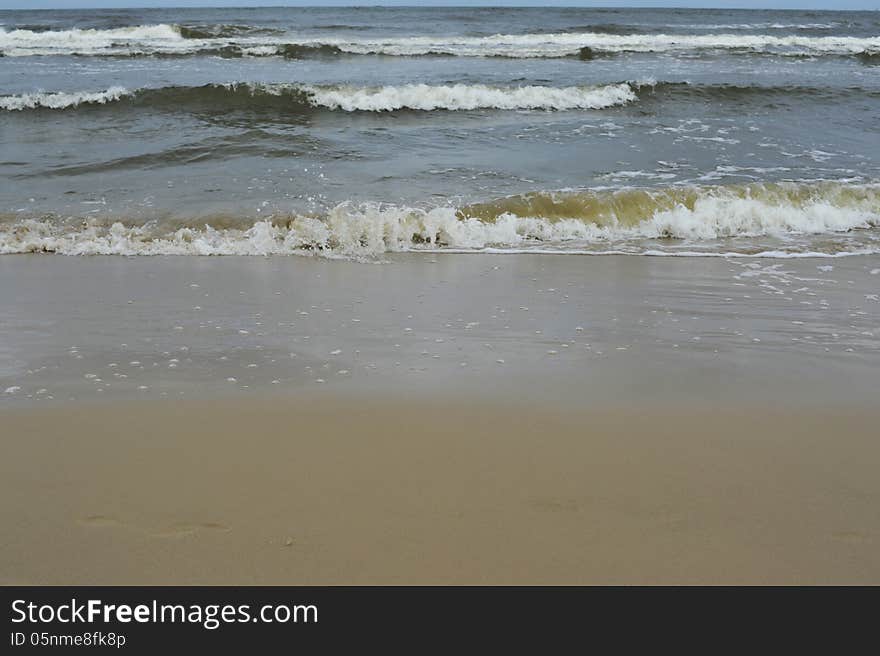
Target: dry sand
<point x="330" y="490"/>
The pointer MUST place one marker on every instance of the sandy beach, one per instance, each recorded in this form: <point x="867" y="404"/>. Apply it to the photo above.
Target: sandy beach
<point x="365" y="491"/>
<point x="439" y="419"/>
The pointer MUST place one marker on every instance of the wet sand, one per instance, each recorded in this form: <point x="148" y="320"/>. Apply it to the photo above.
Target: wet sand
<point x="366" y="491"/>
<point x="512" y="419"/>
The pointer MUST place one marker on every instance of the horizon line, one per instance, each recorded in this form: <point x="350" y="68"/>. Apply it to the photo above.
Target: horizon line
<point x="446" y="6"/>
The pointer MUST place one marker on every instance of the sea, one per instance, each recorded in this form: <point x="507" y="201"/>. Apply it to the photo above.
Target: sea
<point x="358" y="132"/>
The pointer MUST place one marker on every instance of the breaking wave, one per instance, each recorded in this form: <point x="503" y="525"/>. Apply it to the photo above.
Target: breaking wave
<point x="165" y="39"/>
<point x="61" y="100"/>
<point x="420" y="97"/>
<point x="870" y="57"/>
<point x="222" y="30"/>
<point x="468" y="97"/>
<point x="635" y="220"/>
<point x="23" y="42"/>
<point x="416" y="97"/>
<point x="568" y="44"/>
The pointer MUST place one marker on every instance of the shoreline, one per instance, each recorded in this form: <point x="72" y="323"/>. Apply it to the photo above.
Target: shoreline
<point x="461" y="420"/>
<point x="591" y="330"/>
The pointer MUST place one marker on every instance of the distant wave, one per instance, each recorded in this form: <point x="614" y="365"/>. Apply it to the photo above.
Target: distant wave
<point x="576" y="221"/>
<point x="758" y="26"/>
<point x="721" y="93"/>
<point x="417" y="97"/>
<point x="871" y="57"/>
<point x="20" y="42"/>
<point x="289" y="97"/>
<point x="166" y="39"/>
<point x="222" y="30"/>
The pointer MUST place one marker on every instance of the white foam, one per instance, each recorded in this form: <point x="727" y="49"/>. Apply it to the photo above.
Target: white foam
<point x="260" y="51"/>
<point x="469" y="96"/>
<point x="150" y="37"/>
<point x="61" y="100"/>
<point x="370" y="230"/>
<point x="719" y="215"/>
<point x="377" y="99"/>
<point x="146" y="39"/>
<point x="760" y="26"/>
<point x="564" y="44"/>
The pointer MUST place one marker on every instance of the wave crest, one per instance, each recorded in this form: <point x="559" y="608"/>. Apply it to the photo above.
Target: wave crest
<point x="222" y="30"/>
<point x="575" y="221"/>
<point x="22" y="42"/>
<point x="61" y="100"/>
<point x="163" y="39"/>
<point x="454" y="97"/>
<point x="420" y="97"/>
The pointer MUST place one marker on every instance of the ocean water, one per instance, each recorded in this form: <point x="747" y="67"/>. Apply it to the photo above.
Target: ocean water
<point x="357" y="132"/>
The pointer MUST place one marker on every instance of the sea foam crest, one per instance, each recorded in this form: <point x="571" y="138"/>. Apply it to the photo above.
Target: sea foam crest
<point x="468" y="96"/>
<point x="88" y="41"/>
<point x="350" y="230"/>
<point x="356" y="99"/>
<point x="566" y="44"/>
<point x="61" y="100"/>
<point x="164" y="38"/>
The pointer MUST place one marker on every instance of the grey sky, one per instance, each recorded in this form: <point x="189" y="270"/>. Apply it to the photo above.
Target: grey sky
<point x="754" y="4"/>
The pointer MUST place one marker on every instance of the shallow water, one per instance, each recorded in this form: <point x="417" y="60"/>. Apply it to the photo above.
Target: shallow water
<point x="542" y="330"/>
<point x="355" y="132"/>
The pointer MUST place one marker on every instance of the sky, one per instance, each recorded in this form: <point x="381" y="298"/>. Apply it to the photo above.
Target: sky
<point x="755" y="4"/>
